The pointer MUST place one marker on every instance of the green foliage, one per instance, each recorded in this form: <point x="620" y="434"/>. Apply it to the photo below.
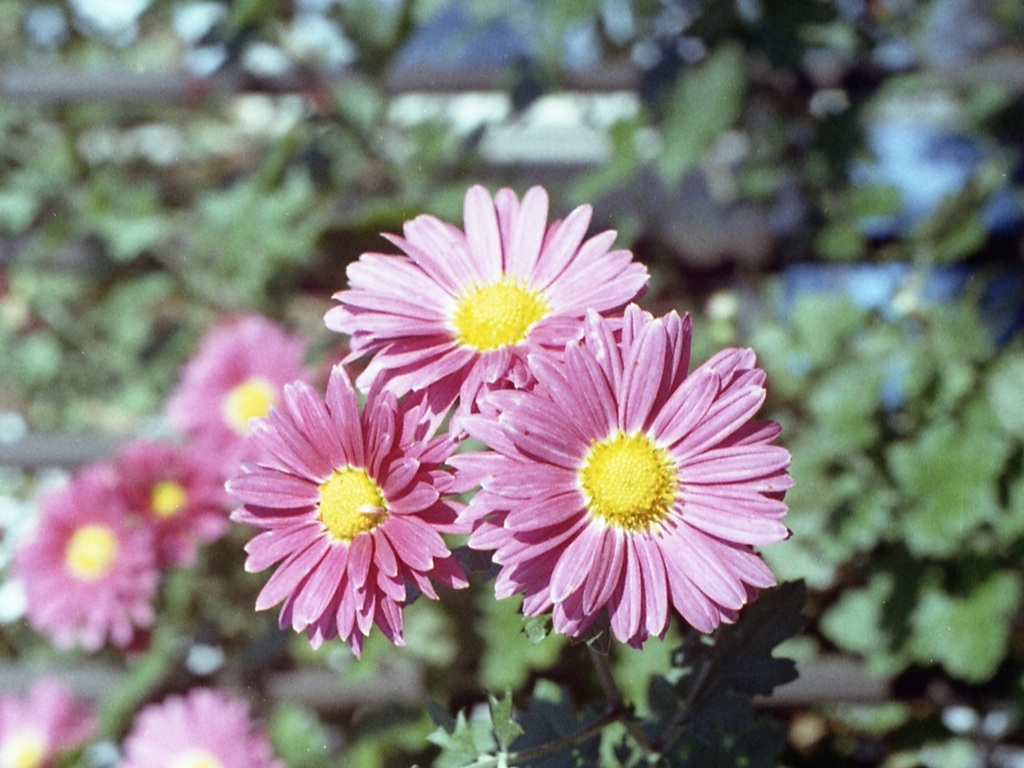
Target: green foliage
<point x="704" y="715"/>
<point x="298" y="737"/>
<point x="704" y="104"/>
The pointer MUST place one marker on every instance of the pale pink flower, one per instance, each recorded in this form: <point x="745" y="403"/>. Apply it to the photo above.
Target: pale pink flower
<point x="236" y="374"/>
<point x="203" y="728"/>
<point x="621" y="483"/>
<point x="89" y="570"/>
<point x="176" y="493"/>
<point x="42" y="725"/>
<point x="458" y="313"/>
<point x="351" y="506"/>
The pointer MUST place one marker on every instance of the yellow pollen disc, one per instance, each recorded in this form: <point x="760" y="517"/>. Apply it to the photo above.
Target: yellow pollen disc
<point x="249" y="400"/>
<point x="498" y="314"/>
<point x="351" y="503"/>
<point x="168" y="499"/>
<point x="90" y="552"/>
<point x="628" y="481"/>
<point x="196" y="758"/>
<point x="23" y="750"/>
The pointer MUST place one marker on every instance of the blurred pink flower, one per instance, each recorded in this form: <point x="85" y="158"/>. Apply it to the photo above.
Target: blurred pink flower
<point x="622" y="483"/>
<point x="351" y="506"/>
<point x="176" y="493"/>
<point x="89" y="570"/>
<point x="460" y="312"/>
<point x="237" y="373"/>
<point x="41" y="726"/>
<point x="203" y="728"/>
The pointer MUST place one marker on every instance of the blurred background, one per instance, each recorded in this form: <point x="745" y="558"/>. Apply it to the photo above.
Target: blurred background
<point x="837" y="183"/>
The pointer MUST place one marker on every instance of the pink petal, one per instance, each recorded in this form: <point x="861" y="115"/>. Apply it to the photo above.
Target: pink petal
<point x="481" y="224"/>
<point x="272" y="488"/>
<point x="575" y="563"/>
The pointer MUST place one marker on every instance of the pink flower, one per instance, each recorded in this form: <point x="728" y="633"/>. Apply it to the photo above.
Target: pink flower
<point x="203" y="728"/>
<point x="621" y="483"/>
<point x="89" y="572"/>
<point x="176" y="494"/>
<point x="459" y="313"/>
<point x="350" y="505"/>
<point x="38" y="728"/>
<point x="237" y="373"/>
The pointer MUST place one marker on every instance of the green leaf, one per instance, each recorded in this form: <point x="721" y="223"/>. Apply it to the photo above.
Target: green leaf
<point x="948" y="478"/>
<point x="746" y="647"/>
<point x="506" y="729"/>
<point x="551" y="715"/>
<point x="968" y="635"/>
<point x="509" y="655"/>
<point x="17" y="210"/>
<point x="704" y="103"/>
<point x="1005" y="389"/>
<point x="855" y="621"/>
<point x="464" y="743"/>
<point x="298" y="736"/>
<point x="712" y="720"/>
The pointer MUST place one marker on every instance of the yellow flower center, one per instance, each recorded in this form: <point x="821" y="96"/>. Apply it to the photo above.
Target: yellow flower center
<point x="249" y="400"/>
<point x="351" y="503"/>
<point x="196" y="758"/>
<point x="497" y="315"/>
<point x="168" y="499"/>
<point x="90" y="552"/>
<point x="628" y="481"/>
<point x="24" y="749"/>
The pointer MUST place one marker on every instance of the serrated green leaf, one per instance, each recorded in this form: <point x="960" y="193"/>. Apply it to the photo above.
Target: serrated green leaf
<point x="704" y="103"/>
<point x="968" y="635"/>
<point x="506" y="729"/>
<point x="947" y="476"/>
<point x="1005" y="389"/>
<point x="746" y="647"/>
<point x="298" y="737"/>
<point x="551" y="715"/>
<point x="536" y="628"/>
<point x="468" y="740"/>
<point x="855" y="621"/>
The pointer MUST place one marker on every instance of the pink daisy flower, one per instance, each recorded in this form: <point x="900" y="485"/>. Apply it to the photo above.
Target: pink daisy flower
<point x="89" y="571"/>
<point x="460" y="312"/>
<point x="350" y="505"/>
<point x="621" y="483"/>
<point x="176" y="493"/>
<point x="41" y="726"/>
<point x="203" y="728"/>
<point x="236" y="375"/>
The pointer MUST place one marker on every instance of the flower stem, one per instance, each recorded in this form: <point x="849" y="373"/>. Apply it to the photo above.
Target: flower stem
<point x="674" y="730"/>
<point x="616" y="703"/>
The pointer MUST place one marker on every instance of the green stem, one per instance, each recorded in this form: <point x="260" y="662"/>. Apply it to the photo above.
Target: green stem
<point x="488" y="761"/>
<point x="674" y="730"/>
<point x="616" y="703"/>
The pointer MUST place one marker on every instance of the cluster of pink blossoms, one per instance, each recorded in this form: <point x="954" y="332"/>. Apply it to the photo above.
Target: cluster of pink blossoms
<point x="203" y="728"/>
<point x="615" y="483"/>
<point x="93" y="565"/>
<point x="43" y="725"/>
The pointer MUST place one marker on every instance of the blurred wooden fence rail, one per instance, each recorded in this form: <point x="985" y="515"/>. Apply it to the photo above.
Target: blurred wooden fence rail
<point x="64" y="85"/>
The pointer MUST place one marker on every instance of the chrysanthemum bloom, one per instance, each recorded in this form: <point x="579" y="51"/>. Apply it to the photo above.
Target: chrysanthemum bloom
<point x="203" y="728"/>
<point x="41" y="726"/>
<point x="619" y="482"/>
<point x="176" y="493"/>
<point x="351" y="504"/>
<point x="460" y="312"/>
<point x="236" y="375"/>
<point x="89" y="570"/>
